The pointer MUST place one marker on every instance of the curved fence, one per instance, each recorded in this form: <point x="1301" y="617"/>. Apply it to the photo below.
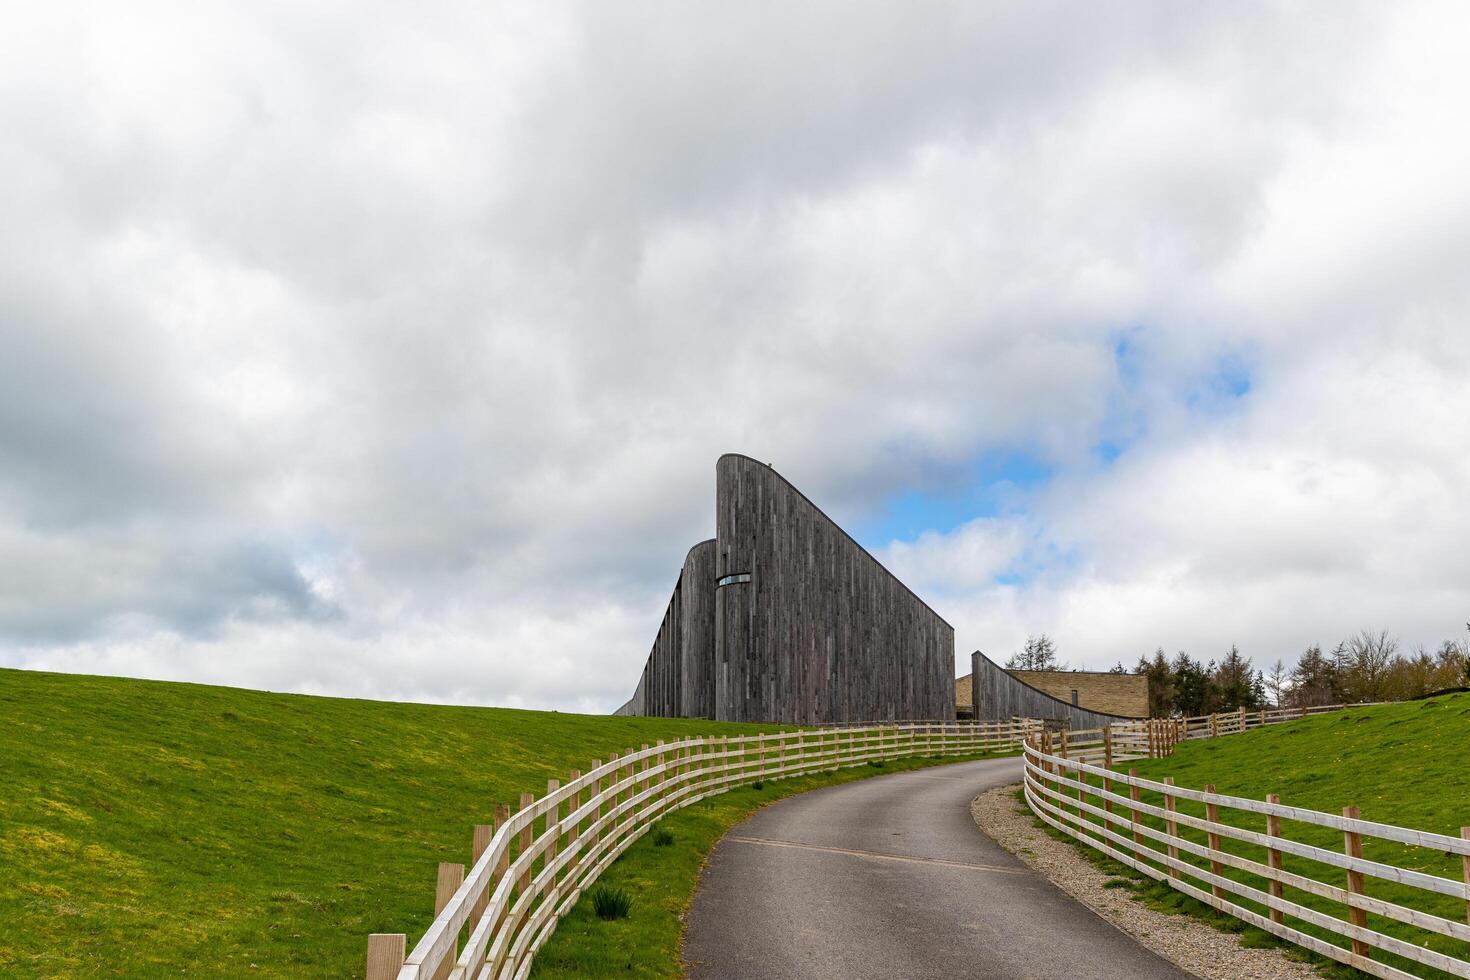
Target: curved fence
<point x="1231" y="852"/>
<point x="529" y="867"/>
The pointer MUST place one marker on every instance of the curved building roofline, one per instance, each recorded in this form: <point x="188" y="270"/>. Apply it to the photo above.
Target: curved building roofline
<point x="1040" y="693"/>
<point x="796" y="490"/>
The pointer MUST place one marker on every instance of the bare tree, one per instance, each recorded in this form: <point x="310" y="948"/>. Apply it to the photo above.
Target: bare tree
<point x="1276" y="682"/>
<point x="1040" y="654"/>
<point x="1369" y="658"/>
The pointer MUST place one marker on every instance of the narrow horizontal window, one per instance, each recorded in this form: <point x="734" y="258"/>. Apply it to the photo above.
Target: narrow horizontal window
<point x="733" y="579"/>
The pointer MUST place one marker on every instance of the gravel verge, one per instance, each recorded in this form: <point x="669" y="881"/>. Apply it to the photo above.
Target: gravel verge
<point x="1187" y="942"/>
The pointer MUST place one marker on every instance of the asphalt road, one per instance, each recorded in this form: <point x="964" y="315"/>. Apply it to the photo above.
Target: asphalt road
<point x="889" y="877"/>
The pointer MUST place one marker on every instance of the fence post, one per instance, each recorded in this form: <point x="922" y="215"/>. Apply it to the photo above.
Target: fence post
<point x="612" y="780"/>
<point x="1065" y="770"/>
<point x="1108" y="748"/>
<point x="658" y="762"/>
<point x="1214" y="724"/>
<point x="481" y="842"/>
<point x="1148" y="729"/>
<point x="525" y="880"/>
<point x="553" y="817"/>
<point x="451" y="876"/>
<point x="1465" y="859"/>
<point x="1171" y="825"/>
<point x="1353" y="846"/>
<point x="1242" y="718"/>
<point x="1273" y="856"/>
<point x="573" y="804"/>
<point x="1133" y="795"/>
<point x="385" y="955"/>
<point x="1212" y="814"/>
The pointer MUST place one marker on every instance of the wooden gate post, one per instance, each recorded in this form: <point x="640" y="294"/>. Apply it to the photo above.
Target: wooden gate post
<point x="385" y="955"/>
<point x="1353" y="847"/>
<point x="1214" y="724"/>
<point x="1273" y="856"/>
<point x="1212" y="814"/>
<point x="1242" y="718"/>
<point x="1108" y="747"/>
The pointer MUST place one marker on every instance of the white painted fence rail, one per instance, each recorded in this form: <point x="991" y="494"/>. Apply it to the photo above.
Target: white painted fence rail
<point x="530" y="867"/>
<point x="1068" y="787"/>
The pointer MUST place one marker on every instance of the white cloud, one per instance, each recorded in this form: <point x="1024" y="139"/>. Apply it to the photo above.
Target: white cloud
<point x="391" y="354"/>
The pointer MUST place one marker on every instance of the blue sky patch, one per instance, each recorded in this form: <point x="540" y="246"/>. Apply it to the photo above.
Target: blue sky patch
<point x="989" y="487"/>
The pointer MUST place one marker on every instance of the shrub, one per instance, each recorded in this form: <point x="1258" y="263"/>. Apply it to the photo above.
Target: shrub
<point x="758" y="784"/>
<point x="611" y="903"/>
<point x="662" y="838"/>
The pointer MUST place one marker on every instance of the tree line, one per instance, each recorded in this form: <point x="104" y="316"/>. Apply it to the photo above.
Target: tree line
<point x="1368" y="666"/>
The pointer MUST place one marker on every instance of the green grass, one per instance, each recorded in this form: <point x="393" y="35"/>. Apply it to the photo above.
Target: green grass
<point x="1402" y="764"/>
<point x="662" y="882"/>
<point x="149" y="828"/>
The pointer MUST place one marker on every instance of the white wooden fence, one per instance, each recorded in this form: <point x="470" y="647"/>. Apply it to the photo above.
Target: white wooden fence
<point x="1069" y="785"/>
<point x="529" y="867"/>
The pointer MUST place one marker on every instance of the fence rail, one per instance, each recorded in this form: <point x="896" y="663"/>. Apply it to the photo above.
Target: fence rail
<point x="529" y="867"/>
<point x="1069" y="785"/>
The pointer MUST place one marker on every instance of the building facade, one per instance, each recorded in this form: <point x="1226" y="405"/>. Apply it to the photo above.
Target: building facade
<point x="783" y="617"/>
<point x="1080" y="699"/>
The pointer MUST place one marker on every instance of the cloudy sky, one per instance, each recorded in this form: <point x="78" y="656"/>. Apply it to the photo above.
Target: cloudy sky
<point x="387" y="351"/>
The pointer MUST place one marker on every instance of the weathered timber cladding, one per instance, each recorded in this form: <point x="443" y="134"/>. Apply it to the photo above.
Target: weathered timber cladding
<point x="676" y="679"/>
<point x="822" y="632"/>
<point x="697" y="634"/>
<point x="997" y="695"/>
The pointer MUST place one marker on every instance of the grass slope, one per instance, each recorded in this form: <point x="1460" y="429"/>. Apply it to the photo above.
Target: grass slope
<point x="1401" y="764"/>
<point x="152" y="828"/>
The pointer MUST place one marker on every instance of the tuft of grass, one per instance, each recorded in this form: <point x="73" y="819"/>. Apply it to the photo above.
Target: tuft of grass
<point x="758" y="785"/>
<point x="611" y="903"/>
<point x="662" y="838"/>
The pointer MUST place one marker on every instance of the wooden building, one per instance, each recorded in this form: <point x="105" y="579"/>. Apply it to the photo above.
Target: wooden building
<point x="783" y="617"/>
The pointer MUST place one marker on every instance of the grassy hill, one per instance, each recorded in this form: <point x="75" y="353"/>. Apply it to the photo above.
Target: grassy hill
<point x="149" y="828"/>
<point x="1402" y="764"/>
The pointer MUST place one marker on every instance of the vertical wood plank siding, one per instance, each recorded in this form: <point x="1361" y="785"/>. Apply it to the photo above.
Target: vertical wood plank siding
<point x="676" y="680"/>
<point x="820" y="633"/>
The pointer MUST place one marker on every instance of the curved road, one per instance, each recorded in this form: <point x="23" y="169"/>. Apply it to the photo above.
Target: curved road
<point x="889" y="877"/>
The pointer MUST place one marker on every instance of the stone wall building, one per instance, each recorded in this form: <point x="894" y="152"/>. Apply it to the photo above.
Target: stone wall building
<point x="1082" y="698"/>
